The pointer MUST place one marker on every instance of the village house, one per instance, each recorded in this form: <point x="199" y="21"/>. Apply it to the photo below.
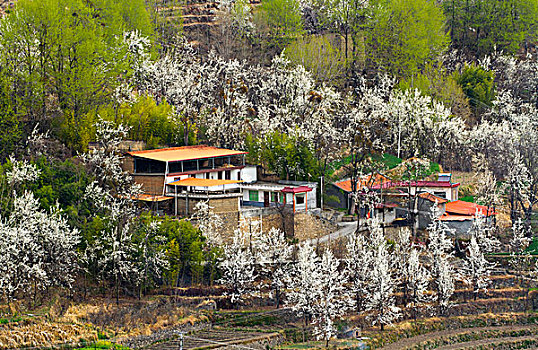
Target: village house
<point x="398" y="198"/>
<point x="460" y="216"/>
<point x="443" y="188"/>
<point x="298" y="195"/>
<point x="190" y="174"/>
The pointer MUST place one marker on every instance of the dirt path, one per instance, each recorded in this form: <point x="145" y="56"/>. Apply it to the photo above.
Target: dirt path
<point x="409" y="342"/>
<point x="494" y="341"/>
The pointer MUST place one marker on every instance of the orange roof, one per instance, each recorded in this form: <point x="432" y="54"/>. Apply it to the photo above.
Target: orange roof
<point x="192" y="181"/>
<point x="432" y="198"/>
<point x="176" y="154"/>
<point x="467" y="208"/>
<point x="368" y="181"/>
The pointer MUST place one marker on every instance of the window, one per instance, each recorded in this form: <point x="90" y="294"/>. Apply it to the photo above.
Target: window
<point x="227" y="175"/>
<point x="238" y="176"/>
<point x="253" y="196"/>
<point x="207" y="175"/>
<point x="275" y="197"/>
<point x="299" y="199"/>
<point x="440" y="194"/>
<point x="220" y="175"/>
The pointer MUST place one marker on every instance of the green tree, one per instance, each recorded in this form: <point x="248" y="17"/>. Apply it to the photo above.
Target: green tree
<point x="282" y="20"/>
<point x="347" y="19"/>
<point x="287" y="156"/>
<point x="436" y="82"/>
<point x="478" y="85"/>
<point x="402" y="36"/>
<point x="319" y="55"/>
<point x="67" y="56"/>
<point x="147" y="121"/>
<point x="10" y="132"/>
<point x="184" y="251"/>
<point x="478" y="27"/>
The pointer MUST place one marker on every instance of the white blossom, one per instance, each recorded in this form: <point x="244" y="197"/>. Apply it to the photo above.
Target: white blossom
<point x="275" y="261"/>
<point x="381" y="301"/>
<point x="358" y="263"/>
<point x="237" y="266"/>
<point x="21" y="171"/>
<point x="331" y="301"/>
<point x="37" y="248"/>
<point x="209" y="223"/>
<point x="304" y="282"/>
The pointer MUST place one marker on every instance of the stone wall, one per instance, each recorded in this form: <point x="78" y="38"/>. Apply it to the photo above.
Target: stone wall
<point x="218" y="205"/>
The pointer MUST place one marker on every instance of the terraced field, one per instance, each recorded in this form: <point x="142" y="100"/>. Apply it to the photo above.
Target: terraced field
<point x="214" y="338"/>
<point x="496" y="337"/>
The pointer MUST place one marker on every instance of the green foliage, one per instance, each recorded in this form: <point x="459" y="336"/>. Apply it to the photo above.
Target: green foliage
<point x="387" y="161"/>
<point x="285" y="155"/>
<point x="484" y="26"/>
<point x="60" y="182"/>
<point x="282" y="21"/>
<point x="434" y="168"/>
<point x="402" y="36"/>
<point x="10" y="320"/>
<point x="478" y="85"/>
<point x="148" y="121"/>
<point x="68" y="56"/>
<point x="10" y="132"/>
<point x="184" y="250"/>
<point x="436" y="82"/>
<point x="319" y="55"/>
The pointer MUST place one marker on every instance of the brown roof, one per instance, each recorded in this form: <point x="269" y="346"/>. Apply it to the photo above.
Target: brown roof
<point x="448" y="217"/>
<point x="176" y="154"/>
<point x="432" y="198"/>
<point x="368" y="181"/>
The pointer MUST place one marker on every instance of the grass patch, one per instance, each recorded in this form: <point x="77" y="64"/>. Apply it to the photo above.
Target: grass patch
<point x="387" y="160"/>
<point x="469" y="199"/>
<point x="533" y="247"/>
<point x="104" y="345"/>
<point x="10" y="320"/>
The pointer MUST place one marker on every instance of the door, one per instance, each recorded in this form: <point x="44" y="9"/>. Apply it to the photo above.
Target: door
<point x="265" y="199"/>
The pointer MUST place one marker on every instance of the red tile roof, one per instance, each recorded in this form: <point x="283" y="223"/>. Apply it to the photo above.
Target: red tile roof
<point x="300" y="189"/>
<point x="467" y="208"/>
<point x="383" y="182"/>
<point x="419" y="184"/>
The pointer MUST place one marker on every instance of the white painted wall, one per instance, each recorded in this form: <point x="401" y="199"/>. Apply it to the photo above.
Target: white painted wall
<point x="249" y="174"/>
<point x="449" y="193"/>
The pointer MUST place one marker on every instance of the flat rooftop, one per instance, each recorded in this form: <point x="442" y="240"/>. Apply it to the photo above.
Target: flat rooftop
<point x="178" y="154"/>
